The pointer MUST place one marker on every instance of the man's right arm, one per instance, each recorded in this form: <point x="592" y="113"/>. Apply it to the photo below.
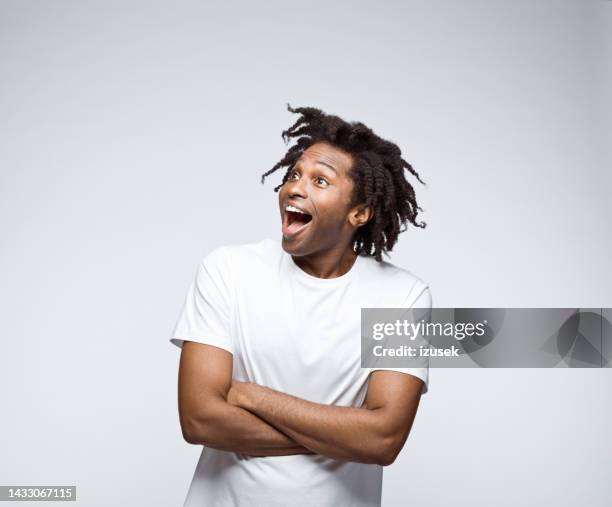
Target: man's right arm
<point x="205" y="377"/>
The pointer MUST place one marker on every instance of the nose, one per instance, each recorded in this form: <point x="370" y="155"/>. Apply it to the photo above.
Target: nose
<point x="297" y="188"/>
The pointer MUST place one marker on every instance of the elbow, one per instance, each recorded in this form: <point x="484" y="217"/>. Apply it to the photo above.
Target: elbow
<point x="200" y="425"/>
<point x="195" y="430"/>
<point x="191" y="430"/>
<point x="386" y="459"/>
<point x="388" y="451"/>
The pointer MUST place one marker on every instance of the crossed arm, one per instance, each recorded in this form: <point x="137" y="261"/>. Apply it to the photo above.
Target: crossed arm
<point x="247" y="418"/>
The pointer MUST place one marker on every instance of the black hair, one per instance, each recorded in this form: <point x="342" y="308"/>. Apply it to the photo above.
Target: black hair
<point x="377" y="172"/>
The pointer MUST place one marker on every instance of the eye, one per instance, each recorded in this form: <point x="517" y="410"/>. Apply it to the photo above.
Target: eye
<point x="321" y="181"/>
<point x="292" y="174"/>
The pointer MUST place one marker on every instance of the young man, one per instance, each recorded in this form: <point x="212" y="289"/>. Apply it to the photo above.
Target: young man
<point x="270" y="377"/>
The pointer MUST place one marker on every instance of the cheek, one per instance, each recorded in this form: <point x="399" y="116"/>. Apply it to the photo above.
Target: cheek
<point x="331" y="211"/>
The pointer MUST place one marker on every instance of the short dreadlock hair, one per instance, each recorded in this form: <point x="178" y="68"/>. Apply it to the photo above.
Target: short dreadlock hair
<point x="377" y="172"/>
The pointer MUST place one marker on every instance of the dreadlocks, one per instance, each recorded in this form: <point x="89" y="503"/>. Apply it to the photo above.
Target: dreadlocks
<point x="377" y="172"/>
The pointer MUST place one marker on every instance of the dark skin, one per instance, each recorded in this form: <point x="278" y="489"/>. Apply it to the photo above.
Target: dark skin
<point x="320" y="184"/>
<point x="244" y="417"/>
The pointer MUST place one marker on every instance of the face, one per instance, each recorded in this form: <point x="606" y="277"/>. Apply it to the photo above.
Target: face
<point x="315" y="202"/>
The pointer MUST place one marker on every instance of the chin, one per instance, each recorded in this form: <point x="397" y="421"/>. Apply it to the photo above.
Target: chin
<point x="293" y="248"/>
<point x="288" y="246"/>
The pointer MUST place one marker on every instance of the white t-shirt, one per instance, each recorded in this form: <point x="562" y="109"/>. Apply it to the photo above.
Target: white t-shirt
<point x="298" y="334"/>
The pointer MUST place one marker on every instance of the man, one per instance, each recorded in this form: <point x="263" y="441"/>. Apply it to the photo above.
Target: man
<point x="270" y="377"/>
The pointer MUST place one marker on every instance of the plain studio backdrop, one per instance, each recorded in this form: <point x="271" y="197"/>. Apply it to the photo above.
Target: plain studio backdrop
<point x="133" y="137"/>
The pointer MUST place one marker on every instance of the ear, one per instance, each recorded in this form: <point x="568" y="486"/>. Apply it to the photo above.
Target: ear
<point x="360" y="215"/>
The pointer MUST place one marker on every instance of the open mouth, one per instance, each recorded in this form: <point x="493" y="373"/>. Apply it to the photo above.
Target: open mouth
<point x="294" y="221"/>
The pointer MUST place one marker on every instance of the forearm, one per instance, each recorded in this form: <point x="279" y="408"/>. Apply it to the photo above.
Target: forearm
<point x="230" y="428"/>
<point x="343" y="433"/>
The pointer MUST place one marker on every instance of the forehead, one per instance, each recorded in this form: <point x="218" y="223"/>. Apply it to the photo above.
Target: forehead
<point x="327" y="154"/>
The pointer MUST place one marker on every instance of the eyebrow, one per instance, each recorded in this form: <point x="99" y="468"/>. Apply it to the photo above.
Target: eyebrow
<point x="322" y="163"/>
<point x="326" y="165"/>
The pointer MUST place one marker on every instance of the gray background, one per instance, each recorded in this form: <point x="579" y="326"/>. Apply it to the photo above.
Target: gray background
<point x="132" y="140"/>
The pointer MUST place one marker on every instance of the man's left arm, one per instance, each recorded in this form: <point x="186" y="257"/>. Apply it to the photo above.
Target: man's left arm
<point x="373" y="433"/>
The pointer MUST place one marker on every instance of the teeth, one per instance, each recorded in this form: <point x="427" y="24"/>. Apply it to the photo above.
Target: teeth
<point x="294" y="209"/>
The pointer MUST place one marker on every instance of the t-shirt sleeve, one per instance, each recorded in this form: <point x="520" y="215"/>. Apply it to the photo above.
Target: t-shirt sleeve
<point x="206" y="312"/>
<point x="419" y="297"/>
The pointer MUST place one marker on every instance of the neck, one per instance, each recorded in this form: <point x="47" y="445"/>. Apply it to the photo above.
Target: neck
<point x="328" y="264"/>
